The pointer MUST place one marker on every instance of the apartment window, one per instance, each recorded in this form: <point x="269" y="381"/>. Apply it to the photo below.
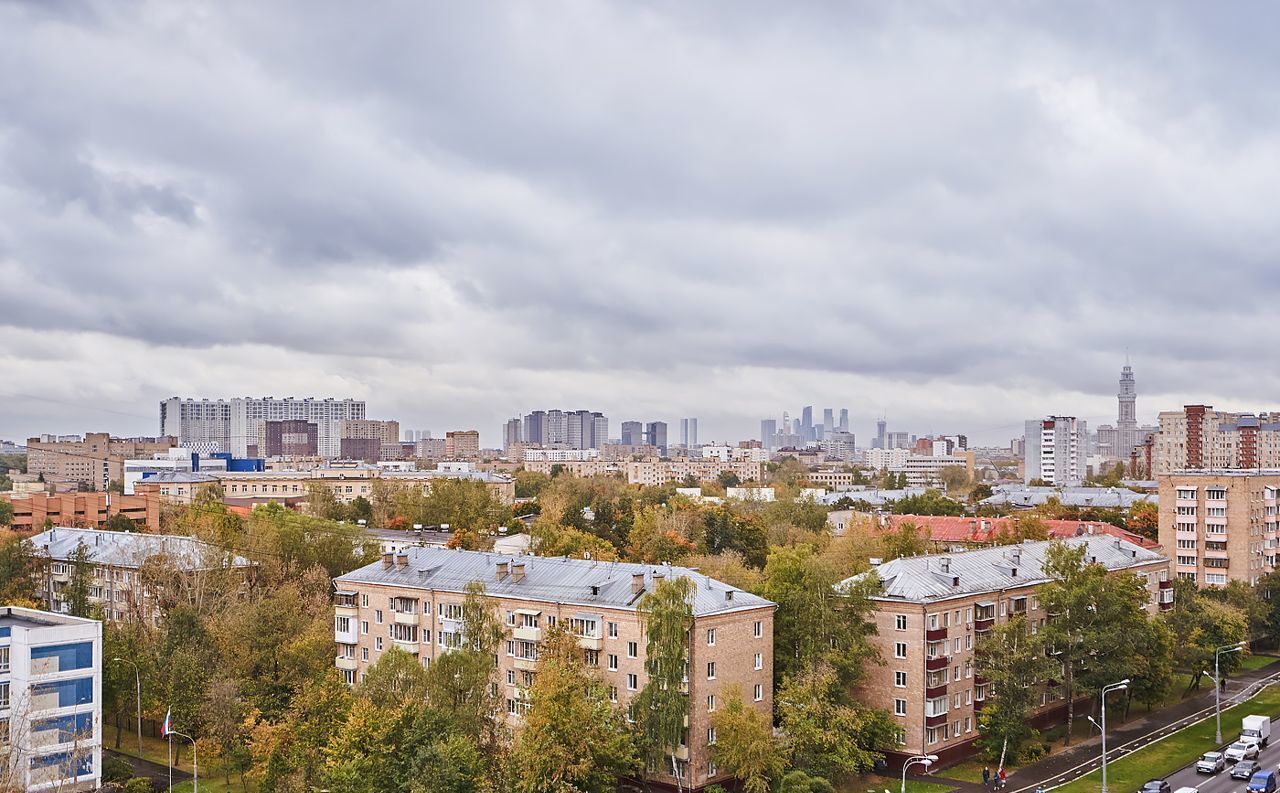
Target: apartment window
<point x="900" y="679"/>
<point x="613" y="662"/>
<point x="956" y="673"/>
<point x="968" y="668"/>
<point x="899" y="649"/>
<point x="511" y="677"/>
<point x="613" y="630"/>
<point x="711" y="670"/>
<point x="364" y="601"/>
<point x="711" y="637"/>
<point x="377" y="643"/>
<point x="4" y="659"/>
<point x="968" y="642"/>
<point x="342" y="624"/>
<point x="711" y="703"/>
<point x="377" y="616"/>
<point x="759" y="661"/>
<point x="4" y="694"/>
<point x="711" y="736"/>
<point x="968" y="724"/>
<point x="364" y="653"/>
<point x="957" y="699"/>
<point x="900" y="622"/>
<point x="632" y="649"/>
<point x="759" y="692"/>
<point x="757" y="629"/>
<point x="631" y="683"/>
<point x="968" y="696"/>
<point x="1189" y="494"/>
<point x="591" y="658"/>
<point x="1215" y="494"/>
<point x="968" y="614"/>
<point x="958" y="644"/>
<point x="899" y="707"/>
<point x="613" y="693"/>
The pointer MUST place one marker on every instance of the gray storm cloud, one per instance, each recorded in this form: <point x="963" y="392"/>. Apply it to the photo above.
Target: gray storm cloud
<point x="961" y="215"/>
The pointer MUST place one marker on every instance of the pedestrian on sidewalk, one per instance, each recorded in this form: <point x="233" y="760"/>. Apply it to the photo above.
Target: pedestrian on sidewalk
<point x="986" y="776"/>
<point x="1004" y="778"/>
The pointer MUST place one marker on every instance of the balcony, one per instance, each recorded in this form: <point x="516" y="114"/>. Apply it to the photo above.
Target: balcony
<point x="343" y="662"/>
<point x="526" y="634"/>
<point x="344" y="637"/>
<point x="937" y="663"/>
<point x="935" y="634"/>
<point x="406" y="617"/>
<point x="408" y="645"/>
<point x="939" y="690"/>
<point x="525" y="664"/>
<point x="1166" y="585"/>
<point x="984" y="623"/>
<point x="935" y="721"/>
<point x="1166" y="606"/>
<point x="979" y="704"/>
<point x="979" y="680"/>
<point x="591" y="642"/>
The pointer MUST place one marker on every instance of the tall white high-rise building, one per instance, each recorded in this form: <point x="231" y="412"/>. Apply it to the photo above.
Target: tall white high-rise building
<point x="1127" y="417"/>
<point x="1055" y="450"/>
<point x="233" y="425"/>
<point x="689" y="432"/>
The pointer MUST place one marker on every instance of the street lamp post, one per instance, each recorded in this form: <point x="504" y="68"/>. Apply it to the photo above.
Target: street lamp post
<point x="137" y="677"/>
<point x="1123" y="684"/>
<point x="195" y="763"/>
<point x="925" y="760"/>
<point x="1217" y="684"/>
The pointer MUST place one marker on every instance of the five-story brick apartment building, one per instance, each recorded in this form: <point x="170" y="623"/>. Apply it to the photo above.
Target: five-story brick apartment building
<point x="932" y="612"/>
<point x="1220" y="525"/>
<point x="413" y="600"/>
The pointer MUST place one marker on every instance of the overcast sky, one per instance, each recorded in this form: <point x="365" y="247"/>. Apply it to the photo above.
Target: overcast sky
<point x="960" y="215"/>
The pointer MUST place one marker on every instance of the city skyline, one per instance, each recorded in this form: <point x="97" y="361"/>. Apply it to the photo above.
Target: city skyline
<point x="363" y="226"/>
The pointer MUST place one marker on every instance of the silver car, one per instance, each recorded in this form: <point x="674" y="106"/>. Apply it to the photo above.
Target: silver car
<point x="1210" y="763"/>
<point x="1241" y="751"/>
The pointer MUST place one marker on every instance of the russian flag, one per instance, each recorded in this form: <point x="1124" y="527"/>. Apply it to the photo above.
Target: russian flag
<point x="165" y="729"/>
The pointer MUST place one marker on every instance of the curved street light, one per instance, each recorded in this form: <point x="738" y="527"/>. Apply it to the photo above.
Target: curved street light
<point x="925" y="760"/>
<point x="137" y="678"/>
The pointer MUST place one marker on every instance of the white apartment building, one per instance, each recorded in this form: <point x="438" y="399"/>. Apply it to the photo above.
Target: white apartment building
<point x="880" y="459"/>
<point x="560" y="455"/>
<point x="1056" y="450"/>
<point x="924" y="470"/>
<point x="730" y="453"/>
<point x="50" y="701"/>
<point x="233" y="425"/>
<point x="179" y="459"/>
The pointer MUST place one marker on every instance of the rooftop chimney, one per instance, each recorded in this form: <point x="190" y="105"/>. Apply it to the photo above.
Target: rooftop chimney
<point x="1015" y="555"/>
<point x="502" y="570"/>
<point x="517" y="572"/>
<point x="387" y="561"/>
<point x="402" y="560"/>
<point x="946" y="564"/>
<point x="637" y="583"/>
<point x="728" y="595"/>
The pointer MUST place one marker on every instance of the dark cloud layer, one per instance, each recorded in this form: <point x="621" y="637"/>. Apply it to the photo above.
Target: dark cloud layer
<point x="961" y="215"/>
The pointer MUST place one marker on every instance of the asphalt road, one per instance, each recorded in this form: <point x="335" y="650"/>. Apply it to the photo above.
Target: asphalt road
<point x="1268" y="759"/>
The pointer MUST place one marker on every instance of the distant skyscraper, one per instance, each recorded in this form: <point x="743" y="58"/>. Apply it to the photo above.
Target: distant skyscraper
<point x="881" y="425"/>
<point x="843" y="426"/>
<point x="512" y="433"/>
<point x="1053" y="450"/>
<point x="632" y="433"/>
<point x="768" y="432"/>
<point x="1127" y="419"/>
<point x="689" y="432"/>
<point x="232" y="425"/>
<point x="828" y="423"/>
<point x="655" y="433"/>
<point x="898" y="440"/>
<point x="806" y="422"/>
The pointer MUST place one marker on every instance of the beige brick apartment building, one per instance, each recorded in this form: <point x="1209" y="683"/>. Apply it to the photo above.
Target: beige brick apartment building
<point x="1221" y="525"/>
<point x="413" y="600"/>
<point x="931" y="614"/>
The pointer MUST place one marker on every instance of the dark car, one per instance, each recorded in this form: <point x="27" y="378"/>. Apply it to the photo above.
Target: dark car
<point x="1245" y="769"/>
<point x="1156" y="786"/>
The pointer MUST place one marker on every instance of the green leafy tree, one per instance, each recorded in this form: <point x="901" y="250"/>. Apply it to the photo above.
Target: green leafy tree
<point x="1144" y="518"/>
<point x="816" y="621"/>
<point x="530" y="483"/>
<point x="827" y="732"/>
<point x="119" y="522"/>
<point x="799" y="782"/>
<point x="21" y="571"/>
<point x="930" y="502"/>
<point x="666" y="615"/>
<point x="1013" y="660"/>
<point x="396" y="679"/>
<point x="728" y="479"/>
<point x="6" y="513"/>
<point x="745" y="746"/>
<point x="459" y="683"/>
<point x="905" y="538"/>
<point x="76" y="593"/>
<point x="573" y="738"/>
<point x="1199" y="624"/>
<point x="1152" y="674"/>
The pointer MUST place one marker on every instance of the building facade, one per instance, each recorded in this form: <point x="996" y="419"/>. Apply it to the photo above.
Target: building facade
<point x="116" y="558"/>
<point x="50" y="700"/>
<point x="934" y="610"/>
<point x="655" y="434"/>
<point x="462" y="444"/>
<point x="32" y="511"/>
<point x="94" y="460"/>
<point x="1220" y="526"/>
<point x="1199" y="437"/>
<point x="658" y="472"/>
<point x="413" y="600"/>
<point x="233" y="425"/>
<point x="1055" y="450"/>
<point x="288" y="438"/>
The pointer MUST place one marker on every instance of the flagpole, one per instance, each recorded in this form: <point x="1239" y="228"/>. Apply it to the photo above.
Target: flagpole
<point x="170" y="762"/>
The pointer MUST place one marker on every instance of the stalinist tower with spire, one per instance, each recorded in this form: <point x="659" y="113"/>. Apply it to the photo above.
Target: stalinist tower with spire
<point x="1127" y="420"/>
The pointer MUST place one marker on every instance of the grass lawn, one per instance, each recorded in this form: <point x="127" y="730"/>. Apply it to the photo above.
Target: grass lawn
<point x="154" y="749"/>
<point x="1163" y="758"/>
<point x="879" y="784"/>
<point x="213" y="784"/>
<point x="1257" y="662"/>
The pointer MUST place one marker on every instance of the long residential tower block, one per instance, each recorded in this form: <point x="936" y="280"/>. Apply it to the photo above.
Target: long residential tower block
<point x="1220" y="525"/>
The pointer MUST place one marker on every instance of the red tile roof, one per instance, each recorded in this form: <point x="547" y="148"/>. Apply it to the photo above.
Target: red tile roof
<point x="981" y="531"/>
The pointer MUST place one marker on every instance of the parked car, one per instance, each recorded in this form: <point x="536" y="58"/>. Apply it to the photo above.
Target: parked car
<point x="1211" y="763"/>
<point x="1241" y="751"/>
<point x="1245" y="769"/>
<point x="1156" y="786"/>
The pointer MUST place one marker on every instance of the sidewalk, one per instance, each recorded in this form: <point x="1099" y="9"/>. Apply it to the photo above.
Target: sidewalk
<point x="1047" y="772"/>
